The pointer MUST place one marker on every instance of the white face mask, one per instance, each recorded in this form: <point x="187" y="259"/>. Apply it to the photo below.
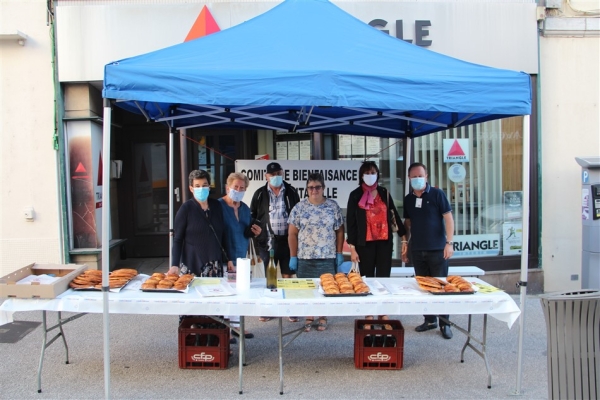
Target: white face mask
<point x="370" y="179"/>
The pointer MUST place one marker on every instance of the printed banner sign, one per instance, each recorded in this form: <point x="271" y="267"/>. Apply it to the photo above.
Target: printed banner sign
<point x="476" y="245"/>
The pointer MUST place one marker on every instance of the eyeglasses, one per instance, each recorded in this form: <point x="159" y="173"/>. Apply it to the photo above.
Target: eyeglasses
<point x="317" y="188"/>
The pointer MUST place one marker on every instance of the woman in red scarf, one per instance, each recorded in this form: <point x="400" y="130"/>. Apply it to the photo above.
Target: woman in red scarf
<point x="369" y="224"/>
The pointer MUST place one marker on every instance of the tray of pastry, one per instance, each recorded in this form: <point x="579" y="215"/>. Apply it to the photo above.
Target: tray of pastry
<point x="159" y="282"/>
<point x="342" y="285"/>
<point x="91" y="280"/>
<point x="453" y="285"/>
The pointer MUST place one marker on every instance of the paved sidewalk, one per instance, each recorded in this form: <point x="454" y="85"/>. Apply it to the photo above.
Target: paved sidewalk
<point x="318" y="365"/>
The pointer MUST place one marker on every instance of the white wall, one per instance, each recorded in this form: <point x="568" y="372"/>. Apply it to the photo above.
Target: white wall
<point x="493" y="33"/>
<point x="27" y="159"/>
<point x="569" y="128"/>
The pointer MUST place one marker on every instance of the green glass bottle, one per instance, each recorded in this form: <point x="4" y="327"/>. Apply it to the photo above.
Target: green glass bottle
<point x="272" y="272"/>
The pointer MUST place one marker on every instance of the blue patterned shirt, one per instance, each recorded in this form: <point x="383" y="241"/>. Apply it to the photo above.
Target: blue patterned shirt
<point x="316" y="228"/>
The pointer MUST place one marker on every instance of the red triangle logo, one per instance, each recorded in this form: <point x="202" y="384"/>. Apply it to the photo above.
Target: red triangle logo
<point x="100" y="170"/>
<point x="205" y="25"/>
<point x="80" y="169"/>
<point x="456" y="150"/>
<point x="143" y="172"/>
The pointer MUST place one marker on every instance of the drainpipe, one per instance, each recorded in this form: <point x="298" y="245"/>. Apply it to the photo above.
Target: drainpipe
<point x="58" y="141"/>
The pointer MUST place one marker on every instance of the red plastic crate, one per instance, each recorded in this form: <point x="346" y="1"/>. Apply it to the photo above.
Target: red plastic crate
<point x="378" y="348"/>
<point x="206" y="348"/>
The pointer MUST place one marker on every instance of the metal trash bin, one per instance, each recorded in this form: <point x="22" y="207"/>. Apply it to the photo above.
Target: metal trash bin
<point x="573" y="336"/>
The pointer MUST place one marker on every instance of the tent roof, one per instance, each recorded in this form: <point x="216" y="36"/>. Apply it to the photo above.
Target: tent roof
<point x="310" y="66"/>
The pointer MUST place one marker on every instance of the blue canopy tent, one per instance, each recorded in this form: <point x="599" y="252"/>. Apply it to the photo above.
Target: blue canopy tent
<point x="308" y="66"/>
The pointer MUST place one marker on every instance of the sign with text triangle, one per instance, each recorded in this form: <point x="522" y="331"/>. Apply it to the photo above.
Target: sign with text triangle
<point x="456" y="150"/>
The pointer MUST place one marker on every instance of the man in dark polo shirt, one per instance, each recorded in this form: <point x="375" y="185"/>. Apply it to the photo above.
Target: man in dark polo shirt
<point x="430" y="229"/>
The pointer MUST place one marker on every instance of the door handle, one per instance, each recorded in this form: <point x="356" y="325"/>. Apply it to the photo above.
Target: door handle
<point x="177" y="197"/>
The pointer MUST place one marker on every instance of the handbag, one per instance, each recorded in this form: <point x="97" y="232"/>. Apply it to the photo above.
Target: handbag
<point x="212" y="269"/>
<point x="355" y="268"/>
<point x="394" y="223"/>
<point x="257" y="265"/>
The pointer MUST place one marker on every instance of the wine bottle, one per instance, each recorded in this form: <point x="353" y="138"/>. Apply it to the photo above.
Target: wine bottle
<point x="272" y="272"/>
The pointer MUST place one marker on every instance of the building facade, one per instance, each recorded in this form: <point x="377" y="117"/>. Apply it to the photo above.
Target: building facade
<point x="484" y="189"/>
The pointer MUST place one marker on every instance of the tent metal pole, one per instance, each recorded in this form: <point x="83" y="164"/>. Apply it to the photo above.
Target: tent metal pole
<point x="171" y="191"/>
<point x="106" y="240"/>
<point x="524" y="249"/>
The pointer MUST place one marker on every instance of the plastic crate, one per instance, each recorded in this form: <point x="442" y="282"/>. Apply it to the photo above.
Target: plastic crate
<point x="378" y="348"/>
<point x="203" y="344"/>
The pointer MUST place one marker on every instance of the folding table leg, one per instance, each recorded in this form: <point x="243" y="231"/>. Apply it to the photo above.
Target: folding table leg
<point x="242" y="354"/>
<point x="280" y="355"/>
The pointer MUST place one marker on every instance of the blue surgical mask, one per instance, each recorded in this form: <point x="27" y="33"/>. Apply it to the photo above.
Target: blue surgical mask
<point x="201" y="193"/>
<point x="417" y="183"/>
<point x="276" y="180"/>
<point x="235" y="195"/>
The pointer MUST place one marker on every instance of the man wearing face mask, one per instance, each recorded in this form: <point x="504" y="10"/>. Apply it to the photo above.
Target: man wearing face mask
<point x="430" y="227"/>
<point x="271" y="204"/>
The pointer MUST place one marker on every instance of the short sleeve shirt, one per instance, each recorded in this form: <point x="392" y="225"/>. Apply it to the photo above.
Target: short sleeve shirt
<point x="427" y="228"/>
<point x="316" y="226"/>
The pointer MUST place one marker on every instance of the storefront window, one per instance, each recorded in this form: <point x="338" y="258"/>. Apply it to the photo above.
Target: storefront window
<point x="480" y="169"/>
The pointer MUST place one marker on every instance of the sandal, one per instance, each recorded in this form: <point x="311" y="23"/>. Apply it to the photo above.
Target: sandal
<point x="322" y="324"/>
<point x="293" y="319"/>
<point x="308" y="324"/>
<point x="265" y="319"/>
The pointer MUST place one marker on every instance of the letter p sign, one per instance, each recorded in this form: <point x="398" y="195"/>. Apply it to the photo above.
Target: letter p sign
<point x="585" y="176"/>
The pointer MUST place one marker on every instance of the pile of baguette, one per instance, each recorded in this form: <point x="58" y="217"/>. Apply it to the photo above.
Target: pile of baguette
<point x="161" y="281"/>
<point x="452" y="284"/>
<point x="342" y="284"/>
<point x="92" y="278"/>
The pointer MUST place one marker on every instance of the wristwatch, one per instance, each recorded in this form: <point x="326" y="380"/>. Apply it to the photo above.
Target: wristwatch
<point x="450" y="243"/>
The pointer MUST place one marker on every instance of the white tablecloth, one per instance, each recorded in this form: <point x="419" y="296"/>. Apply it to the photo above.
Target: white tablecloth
<point x="255" y="303"/>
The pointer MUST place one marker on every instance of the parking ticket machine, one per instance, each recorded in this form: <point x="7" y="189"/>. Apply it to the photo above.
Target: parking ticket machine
<point x="590" y="216"/>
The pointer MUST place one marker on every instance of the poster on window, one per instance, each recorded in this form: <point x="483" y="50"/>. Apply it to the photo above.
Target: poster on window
<point x="373" y="146"/>
<point x="345" y="144"/>
<point x="512" y="238"/>
<point x="305" y="153"/>
<point x="358" y="145"/>
<point x="513" y="205"/>
<point x="293" y="150"/>
<point x="282" y="150"/>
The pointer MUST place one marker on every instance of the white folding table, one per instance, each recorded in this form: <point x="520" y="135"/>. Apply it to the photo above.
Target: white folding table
<point x="403" y="298"/>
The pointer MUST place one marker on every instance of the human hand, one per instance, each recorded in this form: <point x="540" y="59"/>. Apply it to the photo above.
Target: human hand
<point x="256" y="230"/>
<point x="293" y="263"/>
<point x="339" y="259"/>
<point x="448" y="251"/>
<point x="354" y="255"/>
<point x="230" y="266"/>
<point x="174" y="270"/>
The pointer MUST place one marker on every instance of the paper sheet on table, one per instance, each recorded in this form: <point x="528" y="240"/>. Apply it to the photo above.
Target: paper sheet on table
<point x="377" y="289"/>
<point x="295" y="283"/>
<point x="42" y="279"/>
<point x="484" y="289"/>
<point x="206" y="281"/>
<point x="405" y="288"/>
<point x="299" y="294"/>
<point x="222" y="289"/>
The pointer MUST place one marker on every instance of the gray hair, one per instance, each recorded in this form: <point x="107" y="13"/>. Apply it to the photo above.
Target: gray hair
<point x="199" y="174"/>
<point x="238" y="175"/>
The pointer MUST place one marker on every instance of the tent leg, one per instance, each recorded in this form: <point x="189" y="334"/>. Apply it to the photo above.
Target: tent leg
<point x="171" y="192"/>
<point x="106" y="240"/>
<point x="524" y="249"/>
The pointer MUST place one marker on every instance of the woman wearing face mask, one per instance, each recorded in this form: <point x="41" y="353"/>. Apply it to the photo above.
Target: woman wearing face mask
<point x="237" y="224"/>
<point x="195" y="243"/>
<point x="369" y="225"/>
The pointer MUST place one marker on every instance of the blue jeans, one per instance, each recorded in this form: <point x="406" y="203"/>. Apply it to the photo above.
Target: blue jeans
<point x="430" y="263"/>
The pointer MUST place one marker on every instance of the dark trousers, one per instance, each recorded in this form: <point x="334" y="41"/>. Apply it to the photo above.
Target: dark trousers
<point x="375" y="258"/>
<point x="430" y="263"/>
<point x="281" y="253"/>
